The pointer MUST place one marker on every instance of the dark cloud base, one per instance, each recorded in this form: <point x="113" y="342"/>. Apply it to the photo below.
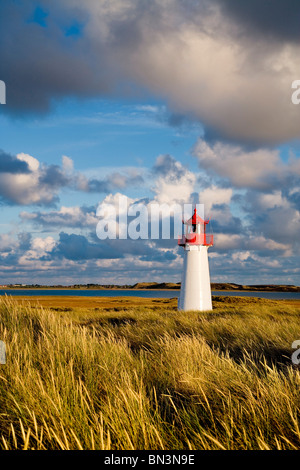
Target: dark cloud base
<point x="55" y="53"/>
<point x="274" y="18"/>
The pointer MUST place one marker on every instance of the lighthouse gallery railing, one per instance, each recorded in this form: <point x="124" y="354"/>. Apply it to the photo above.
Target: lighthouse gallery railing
<point x="196" y="239"/>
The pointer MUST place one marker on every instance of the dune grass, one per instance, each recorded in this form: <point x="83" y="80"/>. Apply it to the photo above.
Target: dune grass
<point x="150" y="377"/>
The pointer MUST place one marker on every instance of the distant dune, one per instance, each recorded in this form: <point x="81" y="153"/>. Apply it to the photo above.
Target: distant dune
<point x="220" y="286"/>
<point x="156" y="285"/>
<point x="256" y="287"/>
<point x="167" y="286"/>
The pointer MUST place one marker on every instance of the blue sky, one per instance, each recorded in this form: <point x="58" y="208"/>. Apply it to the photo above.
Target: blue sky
<point x="158" y="102"/>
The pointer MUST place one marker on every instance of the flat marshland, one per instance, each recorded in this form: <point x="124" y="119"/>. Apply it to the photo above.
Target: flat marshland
<point x="133" y="373"/>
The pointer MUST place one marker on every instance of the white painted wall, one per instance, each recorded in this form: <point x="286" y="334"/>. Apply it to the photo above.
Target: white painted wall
<point x="195" y="292"/>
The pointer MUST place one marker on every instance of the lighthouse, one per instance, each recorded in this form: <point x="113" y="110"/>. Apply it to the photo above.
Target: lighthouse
<point x="195" y="292"/>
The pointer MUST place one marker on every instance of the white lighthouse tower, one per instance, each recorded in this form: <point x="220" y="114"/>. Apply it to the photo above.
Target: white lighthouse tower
<point x="195" y="292"/>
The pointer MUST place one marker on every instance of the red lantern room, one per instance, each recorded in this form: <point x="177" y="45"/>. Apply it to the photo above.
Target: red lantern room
<point x="195" y="232"/>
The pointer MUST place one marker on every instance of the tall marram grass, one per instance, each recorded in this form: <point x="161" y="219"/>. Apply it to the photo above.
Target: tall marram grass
<point x="150" y="379"/>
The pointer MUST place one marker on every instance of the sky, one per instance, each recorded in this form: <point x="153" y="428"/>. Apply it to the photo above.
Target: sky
<point x="162" y="101"/>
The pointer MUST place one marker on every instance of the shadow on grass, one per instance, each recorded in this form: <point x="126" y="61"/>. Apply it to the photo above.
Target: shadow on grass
<point x="267" y="354"/>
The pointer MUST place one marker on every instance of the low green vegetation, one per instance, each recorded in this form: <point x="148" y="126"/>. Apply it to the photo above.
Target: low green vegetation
<point x="150" y="377"/>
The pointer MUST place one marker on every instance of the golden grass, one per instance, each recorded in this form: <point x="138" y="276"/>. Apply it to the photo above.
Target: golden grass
<point x="101" y="373"/>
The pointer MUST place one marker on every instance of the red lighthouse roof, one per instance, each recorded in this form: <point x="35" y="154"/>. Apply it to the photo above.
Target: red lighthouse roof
<point x="196" y="235"/>
<point x="196" y="219"/>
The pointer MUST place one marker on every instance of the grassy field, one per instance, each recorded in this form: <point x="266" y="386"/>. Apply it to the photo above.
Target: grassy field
<point x="129" y="373"/>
